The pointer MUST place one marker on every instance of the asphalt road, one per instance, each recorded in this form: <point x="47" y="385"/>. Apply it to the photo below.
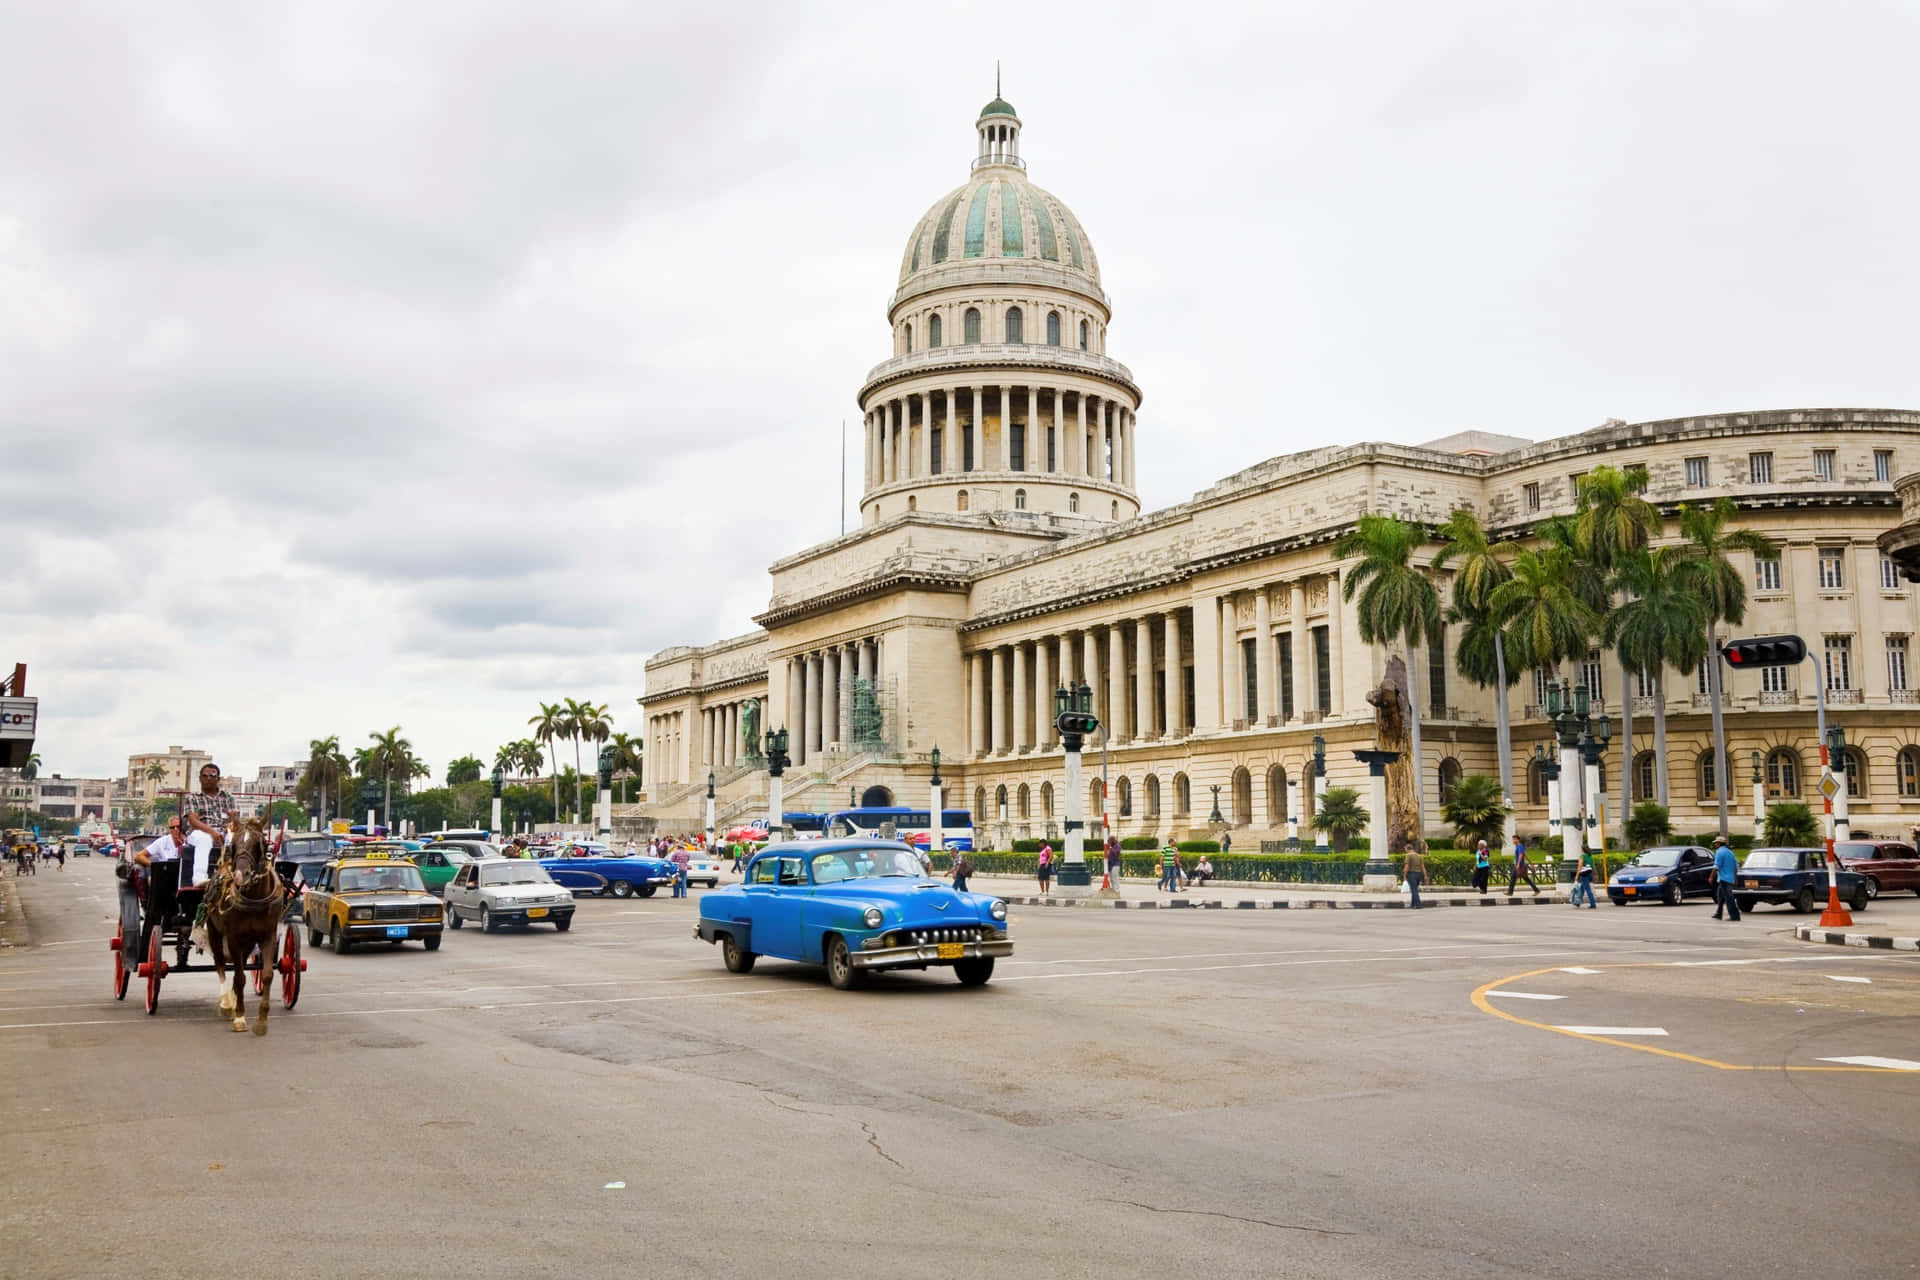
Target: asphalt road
<point x="1215" y="1093"/>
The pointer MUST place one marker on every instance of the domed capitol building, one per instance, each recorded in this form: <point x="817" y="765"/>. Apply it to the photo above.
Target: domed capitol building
<point x="1002" y="551"/>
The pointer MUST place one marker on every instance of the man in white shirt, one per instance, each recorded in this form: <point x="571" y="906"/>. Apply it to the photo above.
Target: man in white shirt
<point x="162" y="860"/>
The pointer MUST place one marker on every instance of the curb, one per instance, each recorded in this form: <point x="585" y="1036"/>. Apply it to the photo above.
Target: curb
<point x="1841" y="938"/>
<point x="1384" y="903"/>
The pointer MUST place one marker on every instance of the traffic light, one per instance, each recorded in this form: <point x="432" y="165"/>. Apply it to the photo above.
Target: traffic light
<point x="1764" y="651"/>
<point x="1077" y="723"/>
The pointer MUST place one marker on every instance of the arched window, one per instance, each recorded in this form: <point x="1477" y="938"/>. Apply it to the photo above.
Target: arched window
<point x="1449" y="778"/>
<point x="960" y="500"/>
<point x="1123" y="790"/>
<point x="1708" y="791"/>
<point x="1783" y="774"/>
<point x="1643" y="776"/>
<point x="913" y="503"/>
<point x="1073" y="502"/>
<point x="1046" y="799"/>
<point x="1026" y="801"/>
<point x="1910" y="773"/>
<point x="1153" y="796"/>
<point x="980" y="805"/>
<point x="1083" y="335"/>
<point x="1096" y="800"/>
<point x="1019" y="499"/>
<point x="1053" y="328"/>
<point x="1536" y="783"/>
<point x="1857" y="779"/>
<point x="909" y="332"/>
<point x="1276" y="796"/>
<point x="970" y="325"/>
<point x="1116" y="508"/>
<point x="933" y="330"/>
<point x="1000" y="801"/>
<point x="1015" y="325"/>
<point x="1182" y="794"/>
<point x="1242" y="797"/>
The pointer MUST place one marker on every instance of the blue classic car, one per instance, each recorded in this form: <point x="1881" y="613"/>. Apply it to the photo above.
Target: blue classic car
<point x="1796" y="877"/>
<point x="854" y="906"/>
<point x="621" y="877"/>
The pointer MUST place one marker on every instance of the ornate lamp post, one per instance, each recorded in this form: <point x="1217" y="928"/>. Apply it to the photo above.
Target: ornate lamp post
<point x="499" y="781"/>
<point x="710" y="781"/>
<point x="1837" y="753"/>
<point x="604" y="809"/>
<point x="1567" y="707"/>
<point x="1593" y="749"/>
<point x="1319" y="790"/>
<point x="1377" y="875"/>
<point x="1759" y="801"/>
<point x="777" y="761"/>
<point x="936" y="828"/>
<point x="1216" y="818"/>
<point x="1550" y="770"/>
<point x="370" y="796"/>
<point x="1073" y="718"/>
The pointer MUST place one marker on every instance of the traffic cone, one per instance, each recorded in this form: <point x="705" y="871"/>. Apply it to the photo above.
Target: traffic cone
<point x="1106" y="882"/>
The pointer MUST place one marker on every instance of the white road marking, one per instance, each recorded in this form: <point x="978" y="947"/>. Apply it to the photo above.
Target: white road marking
<point x="1524" y="995"/>
<point x="1891" y="1064"/>
<point x="1615" y="1031"/>
<point x="1834" y="977"/>
<point x="1702" y="964"/>
<point x="1578" y="969"/>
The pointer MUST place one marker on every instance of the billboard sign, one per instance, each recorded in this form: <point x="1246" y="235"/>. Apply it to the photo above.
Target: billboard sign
<point x="18" y="717"/>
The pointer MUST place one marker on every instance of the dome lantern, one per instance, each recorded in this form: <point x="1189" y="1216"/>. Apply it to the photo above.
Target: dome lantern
<point x="999" y="129"/>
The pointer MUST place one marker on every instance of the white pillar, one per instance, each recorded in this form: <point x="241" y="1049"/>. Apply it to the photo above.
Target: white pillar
<point x="1142" y="677"/>
<point x="1572" y="812"/>
<point x="1842" y="829"/>
<point x="925" y="452"/>
<point x="1002" y="717"/>
<point x="1206" y="663"/>
<point x="1043" y="682"/>
<point x="848" y="668"/>
<point x="1117" y="680"/>
<point x="1233" y="681"/>
<point x="1759" y="809"/>
<point x="1174" y="704"/>
<point x="829" y="698"/>
<point x="809" y="710"/>
<point x="1077" y="454"/>
<point x="1264" y="701"/>
<point x="1554" y="826"/>
<point x="977" y="670"/>
<point x="1302" y="642"/>
<point x="1293" y="813"/>
<point x="1021" y="699"/>
<point x="1592" y="809"/>
<point x="936" y="825"/>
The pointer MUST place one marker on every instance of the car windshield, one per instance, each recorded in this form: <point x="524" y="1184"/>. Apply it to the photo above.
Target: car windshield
<point x="1658" y="858"/>
<point x="1857" y="851"/>
<point x="1772" y="860"/>
<point x="850" y="864"/>
<point x="398" y="878"/>
<point x="515" y="871"/>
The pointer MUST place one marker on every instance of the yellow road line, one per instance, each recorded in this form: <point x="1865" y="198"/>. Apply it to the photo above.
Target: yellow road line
<point x="1480" y="1003"/>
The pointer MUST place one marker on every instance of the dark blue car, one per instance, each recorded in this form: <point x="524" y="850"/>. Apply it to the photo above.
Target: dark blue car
<point x="621" y="877"/>
<point x="854" y="906"/>
<point x="1667" y="874"/>
<point x="1795" y="877"/>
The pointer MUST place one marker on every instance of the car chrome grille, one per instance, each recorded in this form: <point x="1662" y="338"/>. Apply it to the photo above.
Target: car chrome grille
<point x="926" y="937"/>
<point x="396" y="913"/>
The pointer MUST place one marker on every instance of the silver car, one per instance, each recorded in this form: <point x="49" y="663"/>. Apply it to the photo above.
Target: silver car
<point x="504" y="891"/>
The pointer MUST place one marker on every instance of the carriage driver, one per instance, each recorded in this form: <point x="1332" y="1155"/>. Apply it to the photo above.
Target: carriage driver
<point x="203" y="818"/>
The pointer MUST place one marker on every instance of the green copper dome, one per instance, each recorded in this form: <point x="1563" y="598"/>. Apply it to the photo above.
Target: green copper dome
<point x="999" y="214"/>
<point x="999" y="107"/>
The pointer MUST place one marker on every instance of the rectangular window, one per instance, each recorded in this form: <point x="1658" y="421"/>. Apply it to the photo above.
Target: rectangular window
<point x="1839" y="663"/>
<point x="1833" y="568"/>
<point x="1766" y="573"/>
<point x="1285" y="642"/>
<point x="1696" y="473"/>
<point x="1590" y="676"/>
<point x="1890" y="575"/>
<point x="966" y="447"/>
<point x="1187" y="676"/>
<point x="1053" y="463"/>
<point x="1249" y="655"/>
<point x="1760" y="468"/>
<point x="1883" y="465"/>
<point x="1573" y="484"/>
<point x="1532" y="494"/>
<point x="1701" y="676"/>
<point x="1643" y="683"/>
<point x="1017" y="447"/>
<point x="1540" y="678"/>
<point x="1437" y="674"/>
<point x="936" y="444"/>
<point x="1897" y="663"/>
<point x="1823" y="464"/>
<point x="1322" y="677"/>
<point x="1773" y="679"/>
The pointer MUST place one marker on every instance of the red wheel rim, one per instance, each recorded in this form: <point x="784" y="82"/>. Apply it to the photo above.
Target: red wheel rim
<point x="120" y="962"/>
<point x="290" y="968"/>
<point x="153" y="971"/>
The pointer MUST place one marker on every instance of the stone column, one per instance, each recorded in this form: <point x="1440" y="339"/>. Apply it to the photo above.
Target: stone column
<point x="997" y="677"/>
<point x="1043" y="681"/>
<point x="949" y="444"/>
<point x="1171" y="694"/>
<point x="1143" y="677"/>
<point x="1117" y="679"/>
<point x="1264" y="701"/>
<point x="848" y="667"/>
<point x="1110" y="422"/>
<point x="829" y="697"/>
<point x="1233" y="683"/>
<point x="924" y="467"/>
<point x="1021" y="700"/>
<point x="977" y="672"/>
<point x="1293" y="813"/>
<point x="1133" y="433"/>
<point x="1077" y="456"/>
<point x="1090" y="669"/>
<point x="796" y="719"/>
<point x="1302" y="647"/>
<point x="1336" y="627"/>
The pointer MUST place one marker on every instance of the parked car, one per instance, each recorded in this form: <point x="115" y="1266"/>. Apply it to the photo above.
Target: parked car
<point x="620" y="877"/>
<point x="474" y="849"/>
<point x="855" y="906"/>
<point x="503" y="891"/>
<point x="438" y="865"/>
<point x="301" y="858"/>
<point x="1888" y="865"/>
<point x="705" y="868"/>
<point x="1666" y="874"/>
<point x="371" y="899"/>
<point x="1796" y="877"/>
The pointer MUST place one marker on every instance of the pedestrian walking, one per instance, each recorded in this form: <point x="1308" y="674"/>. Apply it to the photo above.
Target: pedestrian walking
<point x="1113" y="860"/>
<point x="962" y="868"/>
<point x="1046" y="866"/>
<point x="1520" y="871"/>
<point x="1583" y="882"/>
<point x="1415" y="870"/>
<point x="1169" y="869"/>
<point x="1482" y="867"/>
<point x="1226" y="842"/>
<point x="1726" y="871"/>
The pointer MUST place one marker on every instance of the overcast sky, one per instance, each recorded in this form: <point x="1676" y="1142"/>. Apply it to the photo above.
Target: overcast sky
<point x="375" y="364"/>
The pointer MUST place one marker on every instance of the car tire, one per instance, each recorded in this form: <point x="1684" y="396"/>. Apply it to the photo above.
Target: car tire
<point x="562" y="923"/>
<point x="646" y="890"/>
<point x="1858" y="902"/>
<point x="1803" y="899"/>
<point x="487" y="923"/>
<point x="315" y="938"/>
<point x="341" y="943"/>
<point x="1747" y="904"/>
<point x="973" y="973"/>
<point x="433" y="941"/>
<point x="840" y="970"/>
<point x="1618" y="902"/>
<point x="1671" y="896"/>
<point x="453" y="918"/>
<point x="620" y="889"/>
<point x="736" y="957"/>
<point x="714" y="883"/>
<point x="1873" y="886"/>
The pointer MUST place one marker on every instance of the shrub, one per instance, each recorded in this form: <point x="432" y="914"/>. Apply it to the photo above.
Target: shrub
<point x="1340" y="816"/>
<point x="1199" y="846"/>
<point x="1790" y="823"/>
<point x="1026" y="846"/>
<point x="1139" y="842"/>
<point x="1474" y="809"/>
<point x="1649" y="824"/>
<point x="1549" y="846"/>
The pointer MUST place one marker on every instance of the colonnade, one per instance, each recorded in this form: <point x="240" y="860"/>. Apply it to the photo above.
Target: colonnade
<point x="1276" y="663"/>
<point x="1097" y="440"/>
<point x="1139" y="669"/>
<point x="820" y="696"/>
<point x="675" y="751"/>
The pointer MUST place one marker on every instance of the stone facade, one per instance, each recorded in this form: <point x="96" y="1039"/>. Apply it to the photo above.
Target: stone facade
<point x="1215" y="634"/>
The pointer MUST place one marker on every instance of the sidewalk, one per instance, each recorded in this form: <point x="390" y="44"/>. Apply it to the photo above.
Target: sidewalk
<point x="1138" y="895"/>
<point x="1890" y="923"/>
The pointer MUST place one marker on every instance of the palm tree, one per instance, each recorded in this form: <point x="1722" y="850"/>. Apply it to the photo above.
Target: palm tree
<point x="31" y="769"/>
<point x="465" y="769"/>
<point x="1613" y="522"/>
<point x="1397" y="602"/>
<point x="155" y="772"/>
<point x="548" y="727"/>
<point x="531" y="761"/>
<point x="1339" y="815"/>
<point x="391" y="754"/>
<point x="1481" y="654"/>
<point x="1705" y="570"/>
<point x="585" y="721"/>
<point x="1659" y="624"/>
<point x="326" y="768"/>
<point x="1474" y="809"/>
<point x="629" y="755"/>
<point x="1546" y="618"/>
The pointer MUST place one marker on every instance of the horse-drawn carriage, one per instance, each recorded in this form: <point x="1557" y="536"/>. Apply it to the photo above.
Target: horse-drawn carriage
<point x="24" y="850"/>
<point x="159" y="903"/>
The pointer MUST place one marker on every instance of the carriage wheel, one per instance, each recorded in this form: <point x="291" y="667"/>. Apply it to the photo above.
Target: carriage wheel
<point x="122" y="974"/>
<point x="153" y="971"/>
<point x="290" y="966"/>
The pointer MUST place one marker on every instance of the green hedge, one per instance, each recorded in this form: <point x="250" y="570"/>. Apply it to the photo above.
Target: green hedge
<point x="1445" y="868"/>
<point x="1140" y="842"/>
<point x="1199" y="846"/>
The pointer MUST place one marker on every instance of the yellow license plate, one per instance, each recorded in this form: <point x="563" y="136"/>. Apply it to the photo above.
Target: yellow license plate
<point x="1629" y="892"/>
<point x="1751" y="884"/>
<point x="952" y="950"/>
<point x="534" y="913"/>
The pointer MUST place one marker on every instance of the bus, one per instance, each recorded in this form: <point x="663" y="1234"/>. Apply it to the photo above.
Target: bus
<point x="915" y="826"/>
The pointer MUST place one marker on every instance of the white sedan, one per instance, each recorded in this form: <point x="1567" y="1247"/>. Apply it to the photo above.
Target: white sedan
<point x="504" y="891"/>
<point x="706" y="868"/>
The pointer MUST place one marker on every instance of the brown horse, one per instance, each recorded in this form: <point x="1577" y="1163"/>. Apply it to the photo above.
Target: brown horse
<point x="245" y="901"/>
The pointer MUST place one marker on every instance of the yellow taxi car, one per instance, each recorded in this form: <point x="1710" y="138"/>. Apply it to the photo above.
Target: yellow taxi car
<point x="371" y="897"/>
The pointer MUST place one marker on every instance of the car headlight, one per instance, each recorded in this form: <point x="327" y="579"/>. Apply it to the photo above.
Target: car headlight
<point x="874" y="917"/>
<point x="1656" y="879"/>
<point x="430" y="913"/>
<point x="359" y="913"/>
<point x="998" y="910"/>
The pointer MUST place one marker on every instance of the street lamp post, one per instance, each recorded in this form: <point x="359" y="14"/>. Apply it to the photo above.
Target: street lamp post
<point x="526" y="821"/>
<point x="1759" y="802"/>
<point x="1593" y="749"/>
<point x="1319" y="791"/>
<point x="604" y="809"/>
<point x="370" y="796"/>
<point x="1550" y="770"/>
<point x="1837" y="752"/>
<point x="709" y="810"/>
<point x="777" y="762"/>
<point x="499" y="781"/>
<point x="936" y="829"/>
<point x="1073" y="718"/>
<point x="1377" y="875"/>
<point x="1567" y="707"/>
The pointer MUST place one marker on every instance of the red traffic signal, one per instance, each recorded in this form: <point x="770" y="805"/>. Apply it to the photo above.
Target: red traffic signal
<point x="1764" y="651"/>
